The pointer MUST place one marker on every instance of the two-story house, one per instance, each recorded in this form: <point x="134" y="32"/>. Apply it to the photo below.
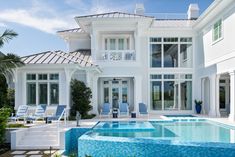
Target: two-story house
<point x="133" y="58"/>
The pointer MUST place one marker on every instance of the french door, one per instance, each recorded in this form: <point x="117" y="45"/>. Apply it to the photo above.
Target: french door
<point x="115" y="92"/>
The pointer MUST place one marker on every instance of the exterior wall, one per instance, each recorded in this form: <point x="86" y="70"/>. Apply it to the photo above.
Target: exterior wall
<point x="76" y="44"/>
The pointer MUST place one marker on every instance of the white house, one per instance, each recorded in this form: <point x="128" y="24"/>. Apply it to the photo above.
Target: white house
<point x="133" y="58"/>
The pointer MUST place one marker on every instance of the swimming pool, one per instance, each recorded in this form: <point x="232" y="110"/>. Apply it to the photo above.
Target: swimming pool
<point x="198" y="137"/>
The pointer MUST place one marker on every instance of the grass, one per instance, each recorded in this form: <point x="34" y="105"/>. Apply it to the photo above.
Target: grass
<point x="16" y="126"/>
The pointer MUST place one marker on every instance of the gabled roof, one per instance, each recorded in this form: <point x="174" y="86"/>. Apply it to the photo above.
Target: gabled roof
<point x="74" y="30"/>
<point x="81" y="57"/>
<point x="115" y="15"/>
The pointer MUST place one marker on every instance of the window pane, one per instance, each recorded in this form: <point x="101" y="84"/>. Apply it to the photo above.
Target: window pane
<point x="106" y="95"/>
<point x="156" y="76"/>
<point x="120" y="44"/>
<point x="54" y="76"/>
<point x="31" y="93"/>
<point x="42" y="76"/>
<point x="124" y="95"/>
<point x="106" y="44"/>
<point x="128" y="44"/>
<point x="170" y="95"/>
<point x="186" y="39"/>
<point x="186" y="95"/>
<point x="31" y="76"/>
<point x="155" y="39"/>
<point x="170" y="55"/>
<point x="112" y="44"/>
<point x="54" y="93"/>
<point x="170" y="39"/>
<point x="43" y="93"/>
<point x="156" y="95"/>
<point x="222" y="97"/>
<point x="170" y="76"/>
<point x="155" y="50"/>
<point x="186" y="55"/>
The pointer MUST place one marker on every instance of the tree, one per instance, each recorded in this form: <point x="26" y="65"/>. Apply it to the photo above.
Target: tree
<point x="6" y="36"/>
<point x="81" y="95"/>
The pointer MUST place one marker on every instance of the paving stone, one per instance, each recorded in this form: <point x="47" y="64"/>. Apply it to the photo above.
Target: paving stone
<point x="33" y="152"/>
<point x="48" y="152"/>
<point x="18" y="152"/>
<point x="35" y="156"/>
<point x="19" y="156"/>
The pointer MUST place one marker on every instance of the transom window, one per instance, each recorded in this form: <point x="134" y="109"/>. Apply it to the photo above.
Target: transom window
<point x="217" y="31"/>
<point x="171" y="91"/>
<point x="171" y="52"/>
<point x="42" y="89"/>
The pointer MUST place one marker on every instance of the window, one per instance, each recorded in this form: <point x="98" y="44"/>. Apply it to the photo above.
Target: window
<point x="117" y="43"/>
<point x="31" y="93"/>
<point x="171" y="91"/>
<point x="217" y="31"/>
<point x="171" y="52"/>
<point x="40" y="90"/>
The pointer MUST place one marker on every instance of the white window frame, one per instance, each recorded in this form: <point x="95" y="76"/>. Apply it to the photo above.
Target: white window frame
<point x="219" y="37"/>
<point x="116" y="37"/>
<point x="48" y="82"/>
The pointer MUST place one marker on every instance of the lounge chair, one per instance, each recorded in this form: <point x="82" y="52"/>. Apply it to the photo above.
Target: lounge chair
<point x="21" y="113"/>
<point x="106" y="110"/>
<point x="60" y="111"/>
<point x="38" y="114"/>
<point x="123" y="109"/>
<point x="143" y="109"/>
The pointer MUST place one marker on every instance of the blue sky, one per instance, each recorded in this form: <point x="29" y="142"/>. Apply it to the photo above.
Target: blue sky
<point x="36" y="21"/>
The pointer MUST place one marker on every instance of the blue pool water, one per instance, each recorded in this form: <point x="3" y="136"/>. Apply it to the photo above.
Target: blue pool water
<point x="157" y="138"/>
<point x="180" y="116"/>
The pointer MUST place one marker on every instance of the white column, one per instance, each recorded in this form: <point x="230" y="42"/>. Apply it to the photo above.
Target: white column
<point x="203" y="95"/>
<point x="212" y="111"/>
<point x="95" y="95"/>
<point x="232" y="96"/>
<point x="217" y="96"/>
<point x="137" y="92"/>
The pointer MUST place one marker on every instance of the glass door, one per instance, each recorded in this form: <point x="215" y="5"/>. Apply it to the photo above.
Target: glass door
<point x="115" y="97"/>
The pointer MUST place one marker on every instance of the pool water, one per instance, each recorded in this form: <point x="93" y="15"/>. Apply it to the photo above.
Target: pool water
<point x="180" y="116"/>
<point x="196" y="131"/>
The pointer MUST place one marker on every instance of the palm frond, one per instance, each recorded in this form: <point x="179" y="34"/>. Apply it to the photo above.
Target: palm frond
<point x="7" y="35"/>
<point x="9" y="61"/>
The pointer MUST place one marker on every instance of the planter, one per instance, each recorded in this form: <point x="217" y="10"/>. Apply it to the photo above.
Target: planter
<point x="198" y="108"/>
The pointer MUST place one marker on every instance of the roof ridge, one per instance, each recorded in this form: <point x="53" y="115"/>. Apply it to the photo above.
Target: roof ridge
<point x="113" y="12"/>
<point x="70" y="29"/>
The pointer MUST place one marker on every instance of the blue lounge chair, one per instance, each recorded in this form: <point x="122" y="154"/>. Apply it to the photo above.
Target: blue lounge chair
<point x="123" y="109"/>
<point x="39" y="113"/>
<point x="21" y="113"/>
<point x="60" y="111"/>
<point x="106" y="110"/>
<point x="143" y="109"/>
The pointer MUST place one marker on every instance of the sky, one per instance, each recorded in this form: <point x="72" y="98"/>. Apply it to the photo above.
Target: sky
<point x="37" y="21"/>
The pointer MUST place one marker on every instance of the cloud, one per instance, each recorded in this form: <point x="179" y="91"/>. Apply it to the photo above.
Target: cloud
<point x="3" y="25"/>
<point x="49" y="17"/>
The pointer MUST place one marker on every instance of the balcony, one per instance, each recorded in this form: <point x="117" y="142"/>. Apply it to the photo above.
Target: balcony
<point x="118" y="55"/>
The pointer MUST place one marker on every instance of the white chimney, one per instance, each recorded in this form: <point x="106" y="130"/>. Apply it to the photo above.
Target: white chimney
<point x="139" y="9"/>
<point x="193" y="11"/>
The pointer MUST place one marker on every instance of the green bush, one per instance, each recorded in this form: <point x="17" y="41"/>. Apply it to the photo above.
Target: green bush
<point x="16" y="125"/>
<point x="4" y="115"/>
<point x="81" y="95"/>
<point x="3" y="91"/>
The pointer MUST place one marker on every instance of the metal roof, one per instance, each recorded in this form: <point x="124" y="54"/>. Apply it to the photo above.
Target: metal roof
<point x="81" y="57"/>
<point x="114" y="15"/>
<point x="74" y="30"/>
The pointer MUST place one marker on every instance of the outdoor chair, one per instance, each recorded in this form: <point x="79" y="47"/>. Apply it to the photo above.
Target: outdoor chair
<point x="123" y="109"/>
<point x="106" y="110"/>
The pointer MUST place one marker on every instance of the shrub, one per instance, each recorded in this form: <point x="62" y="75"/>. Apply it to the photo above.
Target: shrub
<point x="4" y="114"/>
<point x="81" y="95"/>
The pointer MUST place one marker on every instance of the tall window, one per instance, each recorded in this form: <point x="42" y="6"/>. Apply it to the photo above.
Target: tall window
<point x="217" y="30"/>
<point x="42" y="89"/>
<point x="171" y="52"/>
<point x="171" y="91"/>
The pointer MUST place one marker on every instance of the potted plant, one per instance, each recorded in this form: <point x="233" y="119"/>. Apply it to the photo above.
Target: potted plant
<point x="198" y="106"/>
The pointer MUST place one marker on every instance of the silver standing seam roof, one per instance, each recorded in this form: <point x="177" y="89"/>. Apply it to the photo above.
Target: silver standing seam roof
<point x="114" y="15"/>
<point x="81" y="57"/>
<point x="73" y="30"/>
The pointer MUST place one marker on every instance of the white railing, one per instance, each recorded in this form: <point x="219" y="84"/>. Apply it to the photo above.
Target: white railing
<point x="118" y="55"/>
<point x="168" y="15"/>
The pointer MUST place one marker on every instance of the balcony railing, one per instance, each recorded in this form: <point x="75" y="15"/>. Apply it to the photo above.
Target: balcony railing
<point x="118" y="55"/>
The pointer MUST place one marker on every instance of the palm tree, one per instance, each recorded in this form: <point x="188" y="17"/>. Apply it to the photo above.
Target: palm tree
<point x="9" y="61"/>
